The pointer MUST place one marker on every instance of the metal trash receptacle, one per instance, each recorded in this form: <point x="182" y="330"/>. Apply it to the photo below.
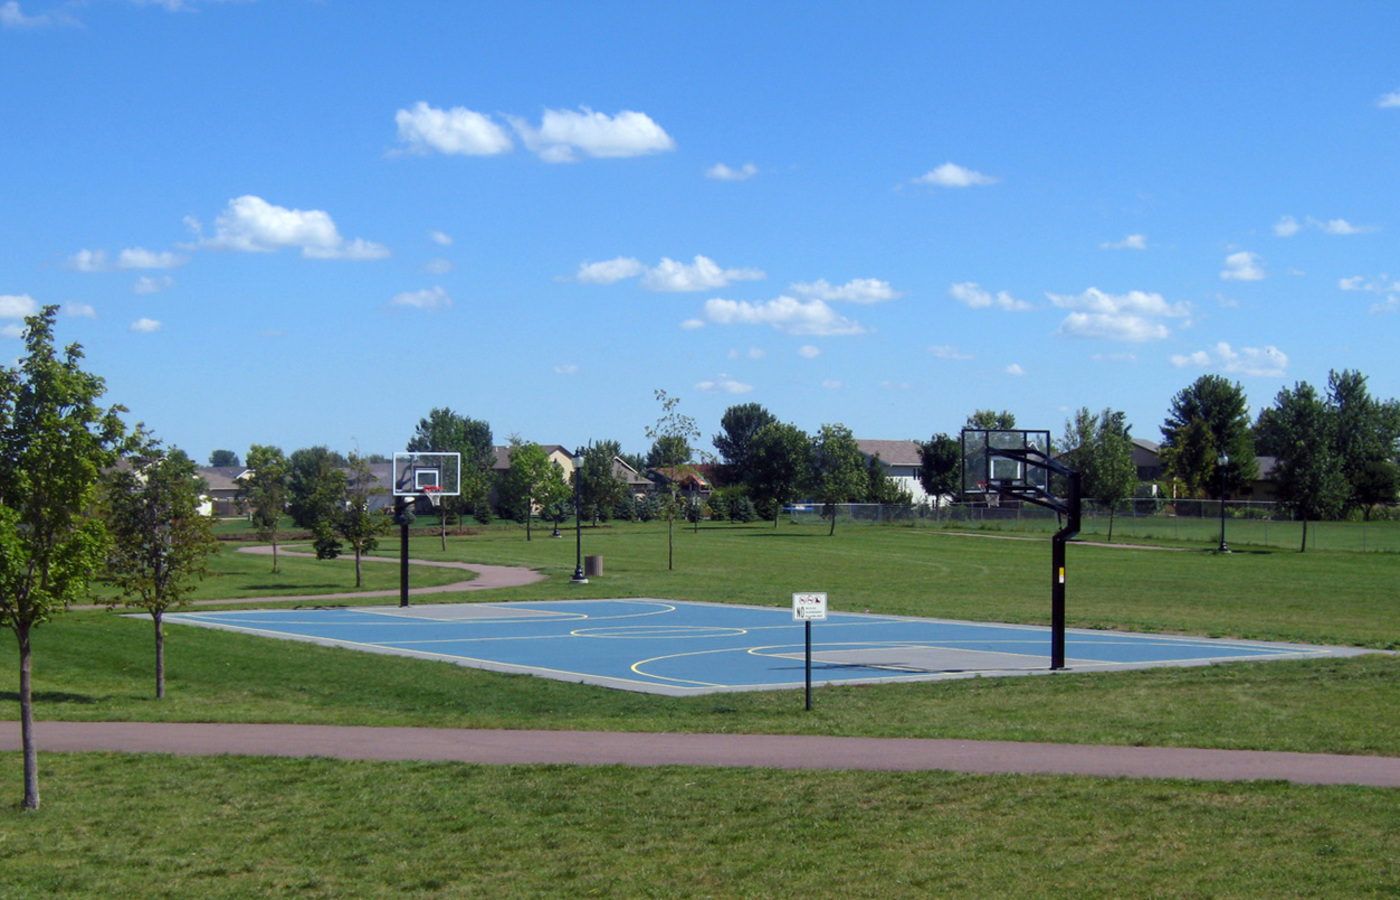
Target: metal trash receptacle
<point x="592" y="565"/>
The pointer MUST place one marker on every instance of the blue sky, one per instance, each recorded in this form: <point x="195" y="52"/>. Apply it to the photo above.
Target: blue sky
<point x="299" y="223"/>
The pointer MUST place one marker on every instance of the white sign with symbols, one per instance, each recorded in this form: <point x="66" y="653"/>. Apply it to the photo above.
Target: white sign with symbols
<point x="809" y="607"/>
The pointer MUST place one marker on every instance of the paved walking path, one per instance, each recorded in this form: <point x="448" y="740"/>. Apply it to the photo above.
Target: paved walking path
<point x="487" y="577"/>
<point x="768" y="751"/>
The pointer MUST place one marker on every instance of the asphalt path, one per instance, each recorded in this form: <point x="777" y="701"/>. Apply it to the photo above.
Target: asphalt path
<point x="593" y="748"/>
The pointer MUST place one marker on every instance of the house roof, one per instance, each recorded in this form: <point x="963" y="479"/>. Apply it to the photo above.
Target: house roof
<point x="892" y="453"/>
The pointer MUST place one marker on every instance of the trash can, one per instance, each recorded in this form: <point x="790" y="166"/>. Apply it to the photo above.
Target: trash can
<point x="592" y="565"/>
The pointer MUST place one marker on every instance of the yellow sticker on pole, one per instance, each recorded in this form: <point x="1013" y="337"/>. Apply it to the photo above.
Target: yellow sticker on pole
<point x="1062" y="574"/>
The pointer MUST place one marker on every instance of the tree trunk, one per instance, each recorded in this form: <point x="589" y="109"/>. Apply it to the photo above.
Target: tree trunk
<point x="274" y="556"/>
<point x="833" y="521"/>
<point x="160" y="656"/>
<point x="1110" y="525"/>
<point x="359" y="579"/>
<point x="26" y="716"/>
<point x="1304" y="547"/>
<point x="671" y="540"/>
<point x="442" y="517"/>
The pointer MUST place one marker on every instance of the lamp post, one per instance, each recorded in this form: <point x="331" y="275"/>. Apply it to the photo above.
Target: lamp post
<point x="1221" y="463"/>
<point x="579" y="577"/>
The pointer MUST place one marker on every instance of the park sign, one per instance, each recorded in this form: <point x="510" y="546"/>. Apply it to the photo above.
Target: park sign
<point x="809" y="607"/>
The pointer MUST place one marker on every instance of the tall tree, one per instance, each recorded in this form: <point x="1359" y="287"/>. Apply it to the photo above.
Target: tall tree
<point x="780" y="465"/>
<point x="1308" y="477"/>
<point x="600" y="488"/>
<point x="992" y="420"/>
<point x="224" y="458"/>
<point x="264" y="489"/>
<point x="738" y="426"/>
<point x="534" y="481"/>
<point x="55" y="440"/>
<point x="160" y="540"/>
<point x="838" y="469"/>
<point x="940" y="467"/>
<point x="1367" y="431"/>
<point x="358" y="524"/>
<point x="1100" y="448"/>
<point x="1207" y="418"/>
<point x="445" y="431"/>
<point x="671" y="451"/>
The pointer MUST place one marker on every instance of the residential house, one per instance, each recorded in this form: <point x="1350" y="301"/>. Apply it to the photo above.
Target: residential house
<point x="901" y="461"/>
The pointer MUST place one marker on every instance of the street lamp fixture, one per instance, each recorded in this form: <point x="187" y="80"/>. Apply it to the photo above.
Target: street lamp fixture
<point x="579" y="577"/>
<point x="1221" y="463"/>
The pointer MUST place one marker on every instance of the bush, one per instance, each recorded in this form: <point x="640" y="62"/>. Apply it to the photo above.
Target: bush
<point x="741" y="509"/>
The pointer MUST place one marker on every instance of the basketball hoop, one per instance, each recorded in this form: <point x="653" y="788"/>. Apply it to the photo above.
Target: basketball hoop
<point x="434" y="495"/>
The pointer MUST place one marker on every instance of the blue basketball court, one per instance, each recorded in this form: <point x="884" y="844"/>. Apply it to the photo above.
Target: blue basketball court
<point x="682" y="648"/>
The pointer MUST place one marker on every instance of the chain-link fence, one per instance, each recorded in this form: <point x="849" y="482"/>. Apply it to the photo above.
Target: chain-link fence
<point x="1246" y="523"/>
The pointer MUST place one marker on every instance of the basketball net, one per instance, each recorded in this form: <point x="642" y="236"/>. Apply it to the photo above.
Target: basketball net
<point x="434" y="495"/>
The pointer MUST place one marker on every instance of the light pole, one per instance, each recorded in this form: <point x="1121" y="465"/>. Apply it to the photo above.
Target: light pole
<point x="1221" y="463"/>
<point x="579" y="577"/>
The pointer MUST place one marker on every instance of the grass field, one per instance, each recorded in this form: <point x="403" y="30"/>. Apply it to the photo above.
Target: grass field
<point x="616" y="832"/>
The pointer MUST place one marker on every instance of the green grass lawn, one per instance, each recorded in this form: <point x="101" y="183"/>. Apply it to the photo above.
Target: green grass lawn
<point x="153" y="826"/>
<point x="118" y="826"/>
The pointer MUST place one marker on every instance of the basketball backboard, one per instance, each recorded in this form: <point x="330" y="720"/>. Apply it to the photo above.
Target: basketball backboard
<point x="417" y="472"/>
<point x="984" y="470"/>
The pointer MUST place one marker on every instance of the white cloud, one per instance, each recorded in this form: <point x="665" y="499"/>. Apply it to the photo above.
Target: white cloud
<point x="701" y="275"/>
<point x="786" y="314"/>
<point x="857" y="290"/>
<point x="440" y="237"/>
<point x="130" y="258"/>
<point x="831" y="384"/>
<point x="972" y="294"/>
<point x="1389" y="101"/>
<point x="954" y="176"/>
<point x="1265" y="362"/>
<point x="566" y="369"/>
<point x="948" y="351"/>
<point x="79" y="311"/>
<point x="564" y="131"/>
<point x="17" y="306"/>
<point x="456" y="132"/>
<point x="1289" y="226"/>
<point x="252" y="225"/>
<point x="89" y="261"/>
<point x="14" y="331"/>
<point x="1381" y="285"/>
<point x="1342" y="226"/>
<point x="1014" y="369"/>
<point x="1135" y="316"/>
<point x="725" y="385"/>
<point x="431" y="298"/>
<point x="11" y="16"/>
<point x="722" y="172"/>
<point x="436" y="266"/>
<point x="141" y="258"/>
<point x="693" y="324"/>
<point x="807" y="351"/>
<point x="145" y="326"/>
<point x="1243" y="266"/>
<point x="751" y="353"/>
<point x="1131" y="242"/>
<point x="149" y="285"/>
<point x="609" y="271"/>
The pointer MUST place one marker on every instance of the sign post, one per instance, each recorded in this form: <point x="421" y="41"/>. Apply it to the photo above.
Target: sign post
<point x="807" y="608"/>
